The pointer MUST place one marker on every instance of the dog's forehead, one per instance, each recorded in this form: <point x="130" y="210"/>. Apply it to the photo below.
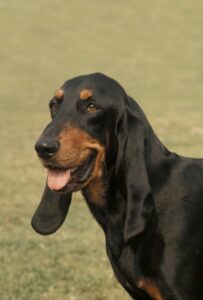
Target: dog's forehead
<point x="90" y="85"/>
<point x="106" y="92"/>
<point x="85" y="83"/>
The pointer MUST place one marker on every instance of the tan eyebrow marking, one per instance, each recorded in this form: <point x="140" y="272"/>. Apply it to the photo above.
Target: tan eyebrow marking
<point x="59" y="94"/>
<point x="85" y="94"/>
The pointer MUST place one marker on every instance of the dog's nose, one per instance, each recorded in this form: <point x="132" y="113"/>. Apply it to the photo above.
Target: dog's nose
<point x="46" y="147"/>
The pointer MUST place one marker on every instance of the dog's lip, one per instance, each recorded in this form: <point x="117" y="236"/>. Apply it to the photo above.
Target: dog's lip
<point x="86" y="165"/>
<point x="78" y="175"/>
<point x="53" y="166"/>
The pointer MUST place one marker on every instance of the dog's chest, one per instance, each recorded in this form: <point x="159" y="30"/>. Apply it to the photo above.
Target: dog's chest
<point x="125" y="263"/>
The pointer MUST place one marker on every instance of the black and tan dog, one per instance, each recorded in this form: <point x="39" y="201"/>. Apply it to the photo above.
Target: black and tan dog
<point x="148" y="201"/>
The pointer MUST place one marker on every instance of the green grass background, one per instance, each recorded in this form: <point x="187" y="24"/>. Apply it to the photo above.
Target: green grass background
<point x="154" y="49"/>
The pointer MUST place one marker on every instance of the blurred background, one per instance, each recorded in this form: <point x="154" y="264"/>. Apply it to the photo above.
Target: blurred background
<point x="154" y="49"/>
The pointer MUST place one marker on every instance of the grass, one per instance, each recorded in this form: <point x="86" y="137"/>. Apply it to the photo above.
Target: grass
<point x="154" y="49"/>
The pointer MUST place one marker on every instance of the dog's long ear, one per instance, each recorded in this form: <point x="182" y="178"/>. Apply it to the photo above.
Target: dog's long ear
<point x="51" y="212"/>
<point x="138" y="191"/>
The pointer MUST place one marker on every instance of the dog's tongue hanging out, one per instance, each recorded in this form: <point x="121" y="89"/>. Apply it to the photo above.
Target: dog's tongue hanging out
<point x="57" y="179"/>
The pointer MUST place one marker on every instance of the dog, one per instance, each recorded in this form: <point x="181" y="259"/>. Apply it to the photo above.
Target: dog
<point x="147" y="200"/>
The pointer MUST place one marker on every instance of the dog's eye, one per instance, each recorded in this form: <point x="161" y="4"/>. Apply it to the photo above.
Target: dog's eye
<point x="53" y="108"/>
<point x="92" y="108"/>
<point x="53" y="104"/>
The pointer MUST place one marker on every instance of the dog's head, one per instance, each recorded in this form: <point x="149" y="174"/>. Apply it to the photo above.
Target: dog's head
<point x="94" y="123"/>
<point x="86" y="113"/>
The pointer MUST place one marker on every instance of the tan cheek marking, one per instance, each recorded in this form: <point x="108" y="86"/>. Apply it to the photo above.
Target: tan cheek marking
<point x="72" y="150"/>
<point x="150" y="288"/>
<point x="59" y="94"/>
<point x="95" y="185"/>
<point x="96" y="191"/>
<point x="75" y="147"/>
<point x="85" y="94"/>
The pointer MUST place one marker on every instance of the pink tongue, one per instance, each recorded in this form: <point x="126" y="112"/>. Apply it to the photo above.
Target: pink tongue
<point x="57" y="179"/>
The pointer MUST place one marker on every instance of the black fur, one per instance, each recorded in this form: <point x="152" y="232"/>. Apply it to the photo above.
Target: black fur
<point x="153" y="212"/>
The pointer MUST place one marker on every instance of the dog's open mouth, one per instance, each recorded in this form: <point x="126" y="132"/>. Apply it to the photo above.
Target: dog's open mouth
<point x="69" y="180"/>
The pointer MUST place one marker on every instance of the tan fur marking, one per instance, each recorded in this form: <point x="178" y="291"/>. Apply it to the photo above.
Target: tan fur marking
<point x="96" y="191"/>
<point x="85" y="94"/>
<point x="73" y="150"/>
<point x="59" y="94"/>
<point x="75" y="147"/>
<point x="150" y="288"/>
